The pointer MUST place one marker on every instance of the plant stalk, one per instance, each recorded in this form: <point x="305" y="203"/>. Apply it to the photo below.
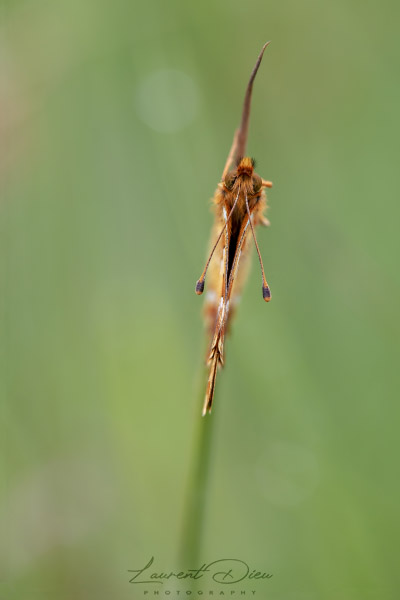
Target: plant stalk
<point x="198" y="484"/>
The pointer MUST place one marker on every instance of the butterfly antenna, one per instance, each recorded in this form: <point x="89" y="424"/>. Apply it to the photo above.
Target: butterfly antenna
<point x="200" y="283"/>
<point x="244" y="125"/>
<point x="265" y="288"/>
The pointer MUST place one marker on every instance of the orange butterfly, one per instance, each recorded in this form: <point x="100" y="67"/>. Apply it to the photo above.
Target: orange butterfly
<point x="240" y="202"/>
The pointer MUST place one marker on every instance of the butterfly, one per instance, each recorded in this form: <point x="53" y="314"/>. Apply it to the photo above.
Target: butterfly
<point x="239" y="205"/>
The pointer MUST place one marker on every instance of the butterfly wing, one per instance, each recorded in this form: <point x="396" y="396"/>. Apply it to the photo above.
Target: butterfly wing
<point x="223" y="312"/>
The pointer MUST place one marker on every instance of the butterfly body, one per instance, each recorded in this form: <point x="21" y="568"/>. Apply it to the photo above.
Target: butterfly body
<point x="220" y="270"/>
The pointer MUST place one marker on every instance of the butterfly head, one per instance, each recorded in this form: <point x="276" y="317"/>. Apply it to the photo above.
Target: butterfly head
<point x="243" y="178"/>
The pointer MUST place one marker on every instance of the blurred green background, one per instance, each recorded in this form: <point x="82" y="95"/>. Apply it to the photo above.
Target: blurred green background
<point x="116" y="119"/>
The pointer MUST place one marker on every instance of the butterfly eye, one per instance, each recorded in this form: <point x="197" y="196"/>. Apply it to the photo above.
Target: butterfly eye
<point x="229" y="180"/>
<point x="257" y="183"/>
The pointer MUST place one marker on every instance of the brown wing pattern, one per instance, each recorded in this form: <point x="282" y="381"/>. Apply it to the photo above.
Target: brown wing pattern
<point x="223" y="312"/>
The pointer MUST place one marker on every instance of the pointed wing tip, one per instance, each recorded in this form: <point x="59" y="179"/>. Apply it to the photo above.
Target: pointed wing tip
<point x="206" y="409"/>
